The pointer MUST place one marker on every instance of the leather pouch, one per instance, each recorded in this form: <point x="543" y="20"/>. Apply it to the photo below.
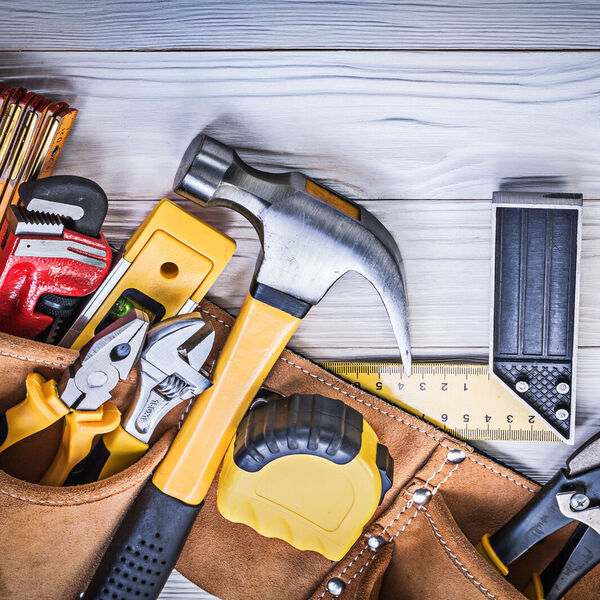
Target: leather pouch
<point x="54" y="537"/>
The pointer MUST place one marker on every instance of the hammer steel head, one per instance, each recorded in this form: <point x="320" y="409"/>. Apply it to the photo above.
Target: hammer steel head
<point x="308" y="242"/>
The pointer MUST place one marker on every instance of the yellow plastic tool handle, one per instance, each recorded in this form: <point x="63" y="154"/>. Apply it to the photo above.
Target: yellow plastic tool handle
<point x="484" y="547"/>
<point x="257" y="338"/>
<point x="534" y="590"/>
<point x="80" y="428"/>
<point x="120" y="450"/>
<point x="41" y="408"/>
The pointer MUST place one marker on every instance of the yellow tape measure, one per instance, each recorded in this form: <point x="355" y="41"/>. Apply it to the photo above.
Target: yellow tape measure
<point x="461" y="399"/>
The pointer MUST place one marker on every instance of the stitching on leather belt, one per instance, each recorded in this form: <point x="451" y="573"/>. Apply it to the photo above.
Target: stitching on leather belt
<point x="75" y="502"/>
<point x="400" y="420"/>
<point x="408" y="505"/>
<point x="455" y="558"/>
<point x="207" y="312"/>
<point x="33" y="360"/>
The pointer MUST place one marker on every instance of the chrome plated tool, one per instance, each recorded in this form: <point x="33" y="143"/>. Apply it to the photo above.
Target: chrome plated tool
<point x="169" y="372"/>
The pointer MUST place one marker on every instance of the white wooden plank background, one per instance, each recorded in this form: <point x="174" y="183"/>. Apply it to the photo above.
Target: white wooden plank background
<point x="193" y="24"/>
<point x="421" y="138"/>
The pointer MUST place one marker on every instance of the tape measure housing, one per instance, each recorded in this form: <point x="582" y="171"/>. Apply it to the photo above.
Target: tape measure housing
<point x="305" y="469"/>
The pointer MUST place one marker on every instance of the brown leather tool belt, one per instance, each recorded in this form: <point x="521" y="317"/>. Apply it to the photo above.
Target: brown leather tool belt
<point x="54" y="537"/>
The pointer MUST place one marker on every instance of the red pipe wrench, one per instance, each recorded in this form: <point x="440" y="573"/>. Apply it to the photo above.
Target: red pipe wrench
<point x="52" y="254"/>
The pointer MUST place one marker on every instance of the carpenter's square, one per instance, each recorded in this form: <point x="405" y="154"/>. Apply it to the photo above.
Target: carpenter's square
<point x="165" y="269"/>
<point x="536" y="296"/>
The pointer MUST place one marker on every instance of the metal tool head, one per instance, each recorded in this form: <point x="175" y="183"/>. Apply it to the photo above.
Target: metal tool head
<point x="585" y="458"/>
<point x="80" y="200"/>
<point x="169" y="371"/>
<point x="103" y="361"/>
<point x="309" y="240"/>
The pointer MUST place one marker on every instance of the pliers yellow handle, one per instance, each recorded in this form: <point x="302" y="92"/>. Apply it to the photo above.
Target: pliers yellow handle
<point x="80" y="429"/>
<point x="81" y="396"/>
<point x="41" y="408"/>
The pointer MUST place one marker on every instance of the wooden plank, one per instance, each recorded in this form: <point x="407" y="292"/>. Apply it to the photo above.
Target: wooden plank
<point x="180" y="588"/>
<point x="188" y="24"/>
<point x="446" y="247"/>
<point x="372" y="125"/>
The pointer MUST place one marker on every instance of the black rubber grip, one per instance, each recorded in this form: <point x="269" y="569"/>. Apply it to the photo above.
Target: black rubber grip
<point x="90" y="467"/>
<point x="70" y="190"/>
<point x="57" y="305"/>
<point x="298" y="424"/>
<point x="3" y="428"/>
<point x="145" y="548"/>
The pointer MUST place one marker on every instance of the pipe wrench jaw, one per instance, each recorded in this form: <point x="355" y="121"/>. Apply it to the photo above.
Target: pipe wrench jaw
<point x="52" y="254"/>
<point x="169" y="371"/>
<point x="106" y="359"/>
<point x="80" y="201"/>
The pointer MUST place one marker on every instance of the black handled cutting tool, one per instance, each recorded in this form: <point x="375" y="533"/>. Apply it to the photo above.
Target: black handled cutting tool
<point x="573" y="494"/>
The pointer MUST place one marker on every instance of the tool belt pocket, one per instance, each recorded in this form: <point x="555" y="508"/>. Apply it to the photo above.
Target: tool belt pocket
<point x="54" y="536"/>
<point x="419" y="544"/>
<point x="416" y="549"/>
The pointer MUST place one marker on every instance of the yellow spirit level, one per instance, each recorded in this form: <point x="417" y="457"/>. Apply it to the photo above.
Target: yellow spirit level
<point x="166" y="268"/>
<point x="305" y="469"/>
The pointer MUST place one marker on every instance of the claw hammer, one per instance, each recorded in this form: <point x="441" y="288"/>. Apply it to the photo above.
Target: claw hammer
<point x="310" y="237"/>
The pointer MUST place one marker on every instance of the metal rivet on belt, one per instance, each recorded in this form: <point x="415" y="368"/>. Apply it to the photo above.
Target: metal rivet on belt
<point x="375" y="542"/>
<point x="336" y="586"/>
<point x="422" y="496"/>
<point x="455" y="456"/>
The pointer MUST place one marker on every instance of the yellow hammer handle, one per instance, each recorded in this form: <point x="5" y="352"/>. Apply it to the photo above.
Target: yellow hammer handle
<point x="257" y="338"/>
<point x="80" y="428"/>
<point x="41" y="408"/>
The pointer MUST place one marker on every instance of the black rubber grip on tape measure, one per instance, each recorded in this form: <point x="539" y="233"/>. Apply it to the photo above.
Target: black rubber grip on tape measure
<point x="145" y="548"/>
<point x="298" y="424"/>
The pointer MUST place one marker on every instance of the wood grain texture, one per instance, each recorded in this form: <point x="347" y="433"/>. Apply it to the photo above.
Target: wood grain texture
<point x="435" y="127"/>
<point x="284" y="24"/>
<point x="446" y="247"/>
<point x="180" y="588"/>
<point x="372" y="125"/>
